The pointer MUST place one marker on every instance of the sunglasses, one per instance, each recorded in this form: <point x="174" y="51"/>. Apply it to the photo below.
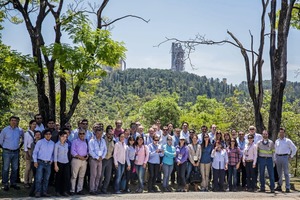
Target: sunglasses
<point x="81" y="133"/>
<point x="156" y="140"/>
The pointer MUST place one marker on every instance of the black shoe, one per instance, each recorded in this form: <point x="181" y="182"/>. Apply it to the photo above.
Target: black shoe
<point x="93" y="193"/>
<point x="72" y="193"/>
<point x="272" y="191"/>
<point x="262" y="190"/>
<point x="80" y="193"/>
<point x="46" y="195"/>
<point x="287" y="191"/>
<point x="15" y="187"/>
<point x="278" y="189"/>
<point x="65" y="194"/>
<point x="57" y="194"/>
<point x="6" y="188"/>
<point x="37" y="195"/>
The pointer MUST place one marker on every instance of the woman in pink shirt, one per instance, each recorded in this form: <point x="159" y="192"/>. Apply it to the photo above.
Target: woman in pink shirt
<point x="141" y="159"/>
<point x="249" y="161"/>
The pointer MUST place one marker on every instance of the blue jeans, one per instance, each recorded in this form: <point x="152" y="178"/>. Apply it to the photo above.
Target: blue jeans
<point x="232" y="176"/>
<point x="167" y="170"/>
<point x="10" y="158"/>
<point x="42" y="177"/>
<point x="119" y="173"/>
<point x="140" y="170"/>
<point x="266" y="162"/>
<point x="189" y="169"/>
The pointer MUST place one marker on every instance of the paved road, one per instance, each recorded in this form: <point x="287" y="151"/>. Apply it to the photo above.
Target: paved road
<point x="193" y="195"/>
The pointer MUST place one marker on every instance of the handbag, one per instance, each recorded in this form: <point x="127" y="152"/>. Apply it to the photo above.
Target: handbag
<point x="195" y="176"/>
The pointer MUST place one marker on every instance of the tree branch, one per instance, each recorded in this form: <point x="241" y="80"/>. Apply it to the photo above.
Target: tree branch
<point x="120" y="18"/>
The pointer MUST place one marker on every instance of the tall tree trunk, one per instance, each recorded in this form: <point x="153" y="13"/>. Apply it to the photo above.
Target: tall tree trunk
<point x="63" y="98"/>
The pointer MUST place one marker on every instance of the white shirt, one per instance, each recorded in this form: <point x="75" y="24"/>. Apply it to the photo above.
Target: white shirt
<point x="159" y="133"/>
<point x="39" y="127"/>
<point x="28" y="140"/>
<point x="211" y="136"/>
<point x="186" y="135"/>
<point x="220" y="158"/>
<point x="163" y="139"/>
<point x="285" y="146"/>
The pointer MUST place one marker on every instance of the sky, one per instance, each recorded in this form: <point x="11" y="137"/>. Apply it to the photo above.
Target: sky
<point x="183" y="20"/>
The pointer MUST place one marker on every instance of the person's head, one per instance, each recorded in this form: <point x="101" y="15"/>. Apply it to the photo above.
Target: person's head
<point x="226" y="136"/>
<point x="57" y="126"/>
<point x="250" y="138"/>
<point x="121" y="137"/>
<point x="51" y="124"/>
<point x="192" y="133"/>
<point x="265" y="134"/>
<point x="219" y="145"/>
<point x="133" y="127"/>
<point x="206" y="138"/>
<point x="81" y="134"/>
<point x="47" y="134"/>
<point x="241" y="135"/>
<point x="169" y="140"/>
<point x="32" y="124"/>
<point x="85" y="124"/>
<point x="137" y="124"/>
<point x="165" y="131"/>
<point x="233" y="133"/>
<point x="68" y="125"/>
<point x="252" y="130"/>
<point x="213" y="128"/>
<point x="118" y="124"/>
<point x="281" y="132"/>
<point x="151" y="132"/>
<point x="185" y="126"/>
<point x="109" y="134"/>
<point x="155" y="139"/>
<point x="99" y="133"/>
<point x="177" y="132"/>
<point x="109" y="128"/>
<point x="139" y="140"/>
<point x="79" y="124"/>
<point x="37" y="135"/>
<point x="38" y="118"/>
<point x="203" y="129"/>
<point x="126" y="132"/>
<point x="218" y="135"/>
<point x="181" y="141"/>
<point x="170" y="127"/>
<point x="195" y="139"/>
<point x="130" y="141"/>
<point x="157" y="123"/>
<point x="154" y="128"/>
<point x="140" y="129"/>
<point x="233" y="142"/>
<point x="95" y="127"/>
<point x="13" y="121"/>
<point x="62" y="136"/>
<point x="66" y="130"/>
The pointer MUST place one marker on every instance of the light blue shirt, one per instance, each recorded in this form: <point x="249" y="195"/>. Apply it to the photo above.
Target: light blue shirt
<point x="97" y="148"/>
<point x="131" y="152"/>
<point x="169" y="154"/>
<point x="43" y="150"/>
<point x="10" y="138"/>
<point x="220" y="158"/>
<point x="154" y="157"/>
<point x="61" y="152"/>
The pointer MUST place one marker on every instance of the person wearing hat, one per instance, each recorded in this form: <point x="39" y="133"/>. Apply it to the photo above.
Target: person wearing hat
<point x="43" y="158"/>
<point x="182" y="154"/>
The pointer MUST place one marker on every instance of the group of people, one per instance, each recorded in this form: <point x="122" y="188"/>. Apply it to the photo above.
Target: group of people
<point x="70" y="158"/>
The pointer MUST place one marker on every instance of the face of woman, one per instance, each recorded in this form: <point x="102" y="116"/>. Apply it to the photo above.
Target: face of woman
<point x="32" y="126"/>
<point x="122" y="138"/>
<point x="195" y="140"/>
<point x="63" y="138"/>
<point x="140" y="141"/>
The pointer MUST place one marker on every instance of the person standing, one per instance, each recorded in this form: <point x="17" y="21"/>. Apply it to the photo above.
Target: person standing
<point x="241" y="141"/>
<point x="79" y="152"/>
<point x="266" y="154"/>
<point x="28" y="139"/>
<point x="118" y="130"/>
<point x="43" y="158"/>
<point x="185" y="132"/>
<point x="10" y="141"/>
<point x="97" y="151"/>
<point x="168" y="163"/>
<point x="62" y="165"/>
<point x="249" y="161"/>
<point x="182" y="154"/>
<point x="205" y="161"/>
<point x="39" y="123"/>
<point x="234" y="161"/>
<point x="284" y="149"/>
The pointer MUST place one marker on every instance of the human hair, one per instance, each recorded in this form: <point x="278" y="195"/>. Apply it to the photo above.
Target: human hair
<point x="235" y="142"/>
<point x="137" y="139"/>
<point x="203" y="140"/>
<point x="282" y="129"/>
<point x="60" y="133"/>
<point x="13" y="117"/>
<point x="108" y="128"/>
<point x="31" y="121"/>
<point x="35" y="132"/>
<point x="131" y="138"/>
<point x="184" y="123"/>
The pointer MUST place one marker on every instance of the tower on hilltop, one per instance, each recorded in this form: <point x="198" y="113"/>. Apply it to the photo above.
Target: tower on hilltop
<point x="177" y="57"/>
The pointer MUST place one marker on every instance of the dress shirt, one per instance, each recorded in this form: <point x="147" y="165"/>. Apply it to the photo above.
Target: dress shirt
<point x="142" y="155"/>
<point x="175" y="141"/>
<point x="182" y="154"/>
<point x="10" y="138"/>
<point x="39" y="127"/>
<point x="120" y="153"/>
<point x="131" y="152"/>
<point x="250" y="153"/>
<point x="43" y="150"/>
<point x="154" y="157"/>
<point x="241" y="145"/>
<point x="79" y="147"/>
<point x="186" y="135"/>
<point x="220" y="159"/>
<point x="61" y="152"/>
<point x="28" y="139"/>
<point x="200" y="138"/>
<point x="285" y="146"/>
<point x="211" y="136"/>
<point x="97" y="148"/>
<point x="159" y="132"/>
<point x="163" y="139"/>
<point x="148" y="139"/>
<point x="206" y="154"/>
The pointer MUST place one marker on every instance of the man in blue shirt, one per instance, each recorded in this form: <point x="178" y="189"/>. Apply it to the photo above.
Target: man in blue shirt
<point x="10" y="142"/>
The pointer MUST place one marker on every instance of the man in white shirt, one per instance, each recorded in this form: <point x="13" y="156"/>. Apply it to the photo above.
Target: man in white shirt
<point x="184" y="132"/>
<point x="39" y="122"/>
<point x="284" y="149"/>
<point x="212" y="133"/>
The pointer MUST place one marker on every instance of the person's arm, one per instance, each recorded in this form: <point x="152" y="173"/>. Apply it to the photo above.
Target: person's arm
<point x="55" y="157"/>
<point x="35" y="153"/>
<point x="226" y="160"/>
<point x="92" y="148"/>
<point x="191" y="156"/>
<point x="293" y="148"/>
<point x="104" y="148"/>
<point x="147" y="154"/>
<point x="254" y="155"/>
<point x="116" y="154"/>
<point x="2" y="135"/>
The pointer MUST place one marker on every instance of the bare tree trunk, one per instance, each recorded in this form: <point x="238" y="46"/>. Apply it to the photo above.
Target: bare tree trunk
<point x="63" y="99"/>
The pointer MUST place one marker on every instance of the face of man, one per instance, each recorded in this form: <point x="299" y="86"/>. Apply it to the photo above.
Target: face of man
<point x="213" y="128"/>
<point x="151" y="132"/>
<point x="13" y="122"/>
<point x="165" y="131"/>
<point x="39" y="119"/>
<point x="177" y="133"/>
<point x="265" y="134"/>
<point x="233" y="134"/>
<point x="67" y="132"/>
<point x="99" y="134"/>
<point x="47" y="135"/>
<point x="140" y="129"/>
<point x="37" y="136"/>
<point x="81" y="135"/>
<point x="241" y="135"/>
<point x="281" y="134"/>
<point x="118" y="124"/>
<point x="85" y="125"/>
<point x="252" y="130"/>
<point x="133" y="128"/>
<point x="203" y="129"/>
<point x="185" y="127"/>
<point x="110" y="134"/>
<point x="51" y="125"/>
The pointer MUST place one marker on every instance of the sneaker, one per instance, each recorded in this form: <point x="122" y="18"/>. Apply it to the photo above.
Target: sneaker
<point x="6" y="188"/>
<point x="287" y="191"/>
<point x="151" y="191"/>
<point x="169" y="189"/>
<point x="72" y="193"/>
<point x="15" y="187"/>
<point x="37" y="195"/>
<point x="119" y="192"/>
<point x="140" y="190"/>
<point x="57" y="194"/>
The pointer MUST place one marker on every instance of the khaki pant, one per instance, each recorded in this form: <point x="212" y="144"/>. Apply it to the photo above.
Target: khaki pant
<point x="205" y="169"/>
<point x="95" y="174"/>
<point x="78" y="169"/>
<point x="28" y="171"/>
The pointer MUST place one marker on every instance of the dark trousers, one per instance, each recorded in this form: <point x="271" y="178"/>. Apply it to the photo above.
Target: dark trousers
<point x="128" y="176"/>
<point x="241" y="172"/>
<point x="181" y="174"/>
<point x="62" y="178"/>
<point x="32" y="190"/>
<point x="174" y="174"/>
<point x="153" y="170"/>
<point x="250" y="175"/>
<point x="107" y="165"/>
<point x="218" y="179"/>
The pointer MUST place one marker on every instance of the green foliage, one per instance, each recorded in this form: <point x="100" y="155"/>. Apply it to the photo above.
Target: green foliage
<point x="295" y="21"/>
